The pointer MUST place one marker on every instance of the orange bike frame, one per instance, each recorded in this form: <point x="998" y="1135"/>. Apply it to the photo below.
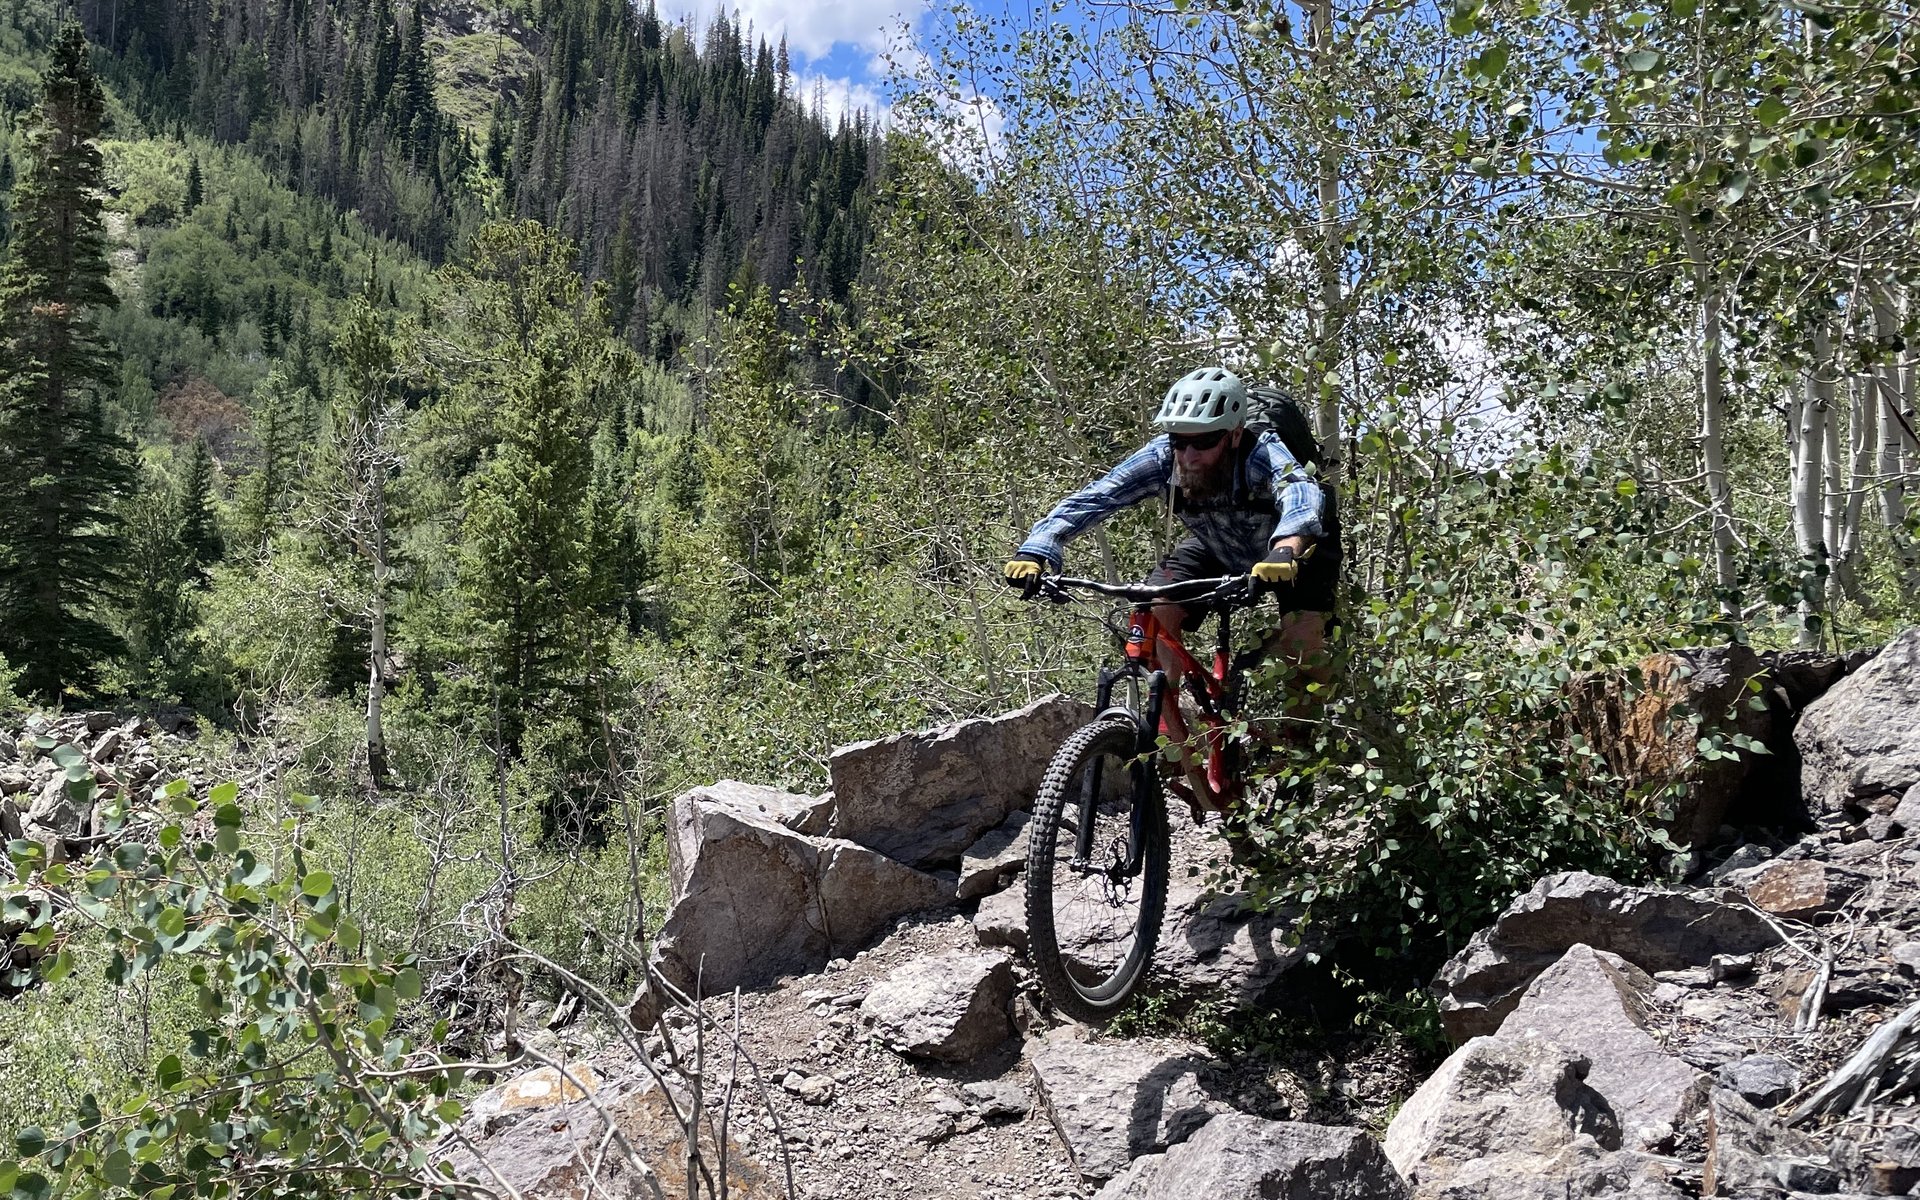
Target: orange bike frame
<point x="1145" y="635"/>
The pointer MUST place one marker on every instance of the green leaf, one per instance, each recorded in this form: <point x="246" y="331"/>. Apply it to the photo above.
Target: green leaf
<point x="30" y="1141"/>
<point x="1770" y="111"/>
<point x="317" y="884"/>
<point x="224" y="793"/>
<point x="172" y="922"/>
<point x="1489" y="64"/>
<point x="1643" y="62"/>
<point x="1736" y="186"/>
<point x="227" y="839"/>
<point x="406" y="984"/>
<point x="228" y="816"/>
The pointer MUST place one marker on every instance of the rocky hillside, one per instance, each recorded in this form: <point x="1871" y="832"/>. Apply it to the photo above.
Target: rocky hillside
<point x="870" y="1029"/>
<point x="837" y="1003"/>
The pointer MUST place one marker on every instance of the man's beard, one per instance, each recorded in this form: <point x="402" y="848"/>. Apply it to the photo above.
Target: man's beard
<point x="1206" y="483"/>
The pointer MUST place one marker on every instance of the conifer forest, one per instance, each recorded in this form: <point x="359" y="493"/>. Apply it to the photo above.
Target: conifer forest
<point x="474" y="425"/>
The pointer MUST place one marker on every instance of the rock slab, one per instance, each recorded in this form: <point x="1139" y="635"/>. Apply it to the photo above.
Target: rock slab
<point x="1860" y="743"/>
<point x="950" y="1007"/>
<point x="1655" y="929"/>
<point x="1113" y="1102"/>
<point x="754" y="900"/>
<point x="1494" y="1097"/>
<point x="1595" y="1004"/>
<point x="1239" y="1155"/>
<point x="923" y="798"/>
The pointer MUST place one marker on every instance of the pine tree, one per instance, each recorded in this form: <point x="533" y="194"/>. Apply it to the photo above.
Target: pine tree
<point x="63" y="469"/>
<point x="196" y="186"/>
<point x="199" y="530"/>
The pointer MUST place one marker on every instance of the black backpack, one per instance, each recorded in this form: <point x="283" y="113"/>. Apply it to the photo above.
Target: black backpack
<point x="1269" y="408"/>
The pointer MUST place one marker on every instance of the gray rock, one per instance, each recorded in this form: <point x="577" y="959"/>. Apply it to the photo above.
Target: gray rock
<point x="934" y="1127"/>
<point x="923" y="798"/>
<point x="14" y="780"/>
<point x="1582" y="1169"/>
<point x="1907" y="955"/>
<point x="1744" y="856"/>
<point x="1860" y="743"/>
<point x="99" y="721"/>
<point x="540" y="1149"/>
<point x="1761" y="1079"/>
<point x="1496" y="1097"/>
<point x="1656" y="929"/>
<point x="754" y="900"/>
<point x="1002" y="920"/>
<point x="996" y="858"/>
<point x="1906" y="814"/>
<point x="998" y="1098"/>
<point x="10" y="825"/>
<point x="1238" y="1155"/>
<point x="951" y="1007"/>
<point x="107" y="747"/>
<point x="748" y="801"/>
<point x="1594" y="1004"/>
<point x="1112" y="1102"/>
<point x="9" y="749"/>
<point x="1221" y="945"/>
<point x="1748" y="1150"/>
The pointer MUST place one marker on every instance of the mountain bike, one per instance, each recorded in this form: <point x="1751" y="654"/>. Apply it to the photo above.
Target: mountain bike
<point x="1098" y="848"/>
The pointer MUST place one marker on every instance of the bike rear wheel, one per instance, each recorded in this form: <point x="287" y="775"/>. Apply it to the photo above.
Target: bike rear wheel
<point x="1093" y="921"/>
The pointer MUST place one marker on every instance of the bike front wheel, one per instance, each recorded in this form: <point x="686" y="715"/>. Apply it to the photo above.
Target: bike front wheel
<point x="1096" y="870"/>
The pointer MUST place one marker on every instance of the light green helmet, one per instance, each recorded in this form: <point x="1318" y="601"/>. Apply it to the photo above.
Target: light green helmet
<point x="1203" y="401"/>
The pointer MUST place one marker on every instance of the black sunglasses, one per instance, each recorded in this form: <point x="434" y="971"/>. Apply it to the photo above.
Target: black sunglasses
<point x="1197" y="441"/>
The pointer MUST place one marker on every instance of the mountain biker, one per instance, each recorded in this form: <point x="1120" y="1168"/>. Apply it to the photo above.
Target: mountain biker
<point x="1249" y="505"/>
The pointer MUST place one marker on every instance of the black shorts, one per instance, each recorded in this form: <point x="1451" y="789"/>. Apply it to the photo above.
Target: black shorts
<point x="1313" y="591"/>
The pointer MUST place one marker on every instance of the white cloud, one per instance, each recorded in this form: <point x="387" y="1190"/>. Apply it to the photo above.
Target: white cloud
<point x="812" y="27"/>
<point x="838" y="97"/>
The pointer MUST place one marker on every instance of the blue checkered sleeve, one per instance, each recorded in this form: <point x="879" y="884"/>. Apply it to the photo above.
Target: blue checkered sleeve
<point x="1295" y="491"/>
<point x="1142" y="475"/>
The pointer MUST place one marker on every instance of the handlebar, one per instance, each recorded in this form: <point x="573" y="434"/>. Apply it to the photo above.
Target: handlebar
<point x="1224" y="587"/>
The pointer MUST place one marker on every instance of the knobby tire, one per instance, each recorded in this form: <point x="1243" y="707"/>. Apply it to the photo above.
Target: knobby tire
<point x="1116" y="739"/>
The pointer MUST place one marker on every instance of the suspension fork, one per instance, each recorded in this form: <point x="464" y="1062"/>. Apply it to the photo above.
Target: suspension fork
<point x="1147" y="724"/>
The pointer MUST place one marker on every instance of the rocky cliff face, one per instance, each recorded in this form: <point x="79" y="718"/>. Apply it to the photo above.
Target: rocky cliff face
<point x="1753" y="1032"/>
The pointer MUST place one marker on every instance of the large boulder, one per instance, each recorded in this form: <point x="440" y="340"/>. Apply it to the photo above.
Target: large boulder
<point x="1594" y="1004"/>
<point x="1115" y="1101"/>
<point x="754" y="900"/>
<point x="1860" y="743"/>
<point x="1655" y="929"/>
<point x="923" y="798"/>
<point x="1239" y="1155"/>
<point x="950" y="1007"/>
<point x="751" y="801"/>
<point x="1646" y="724"/>
<point x="1495" y="1098"/>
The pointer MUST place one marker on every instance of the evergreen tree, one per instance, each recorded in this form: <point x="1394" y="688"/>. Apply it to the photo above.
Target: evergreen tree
<point x="196" y="186"/>
<point x="63" y="468"/>
<point x="199" y="531"/>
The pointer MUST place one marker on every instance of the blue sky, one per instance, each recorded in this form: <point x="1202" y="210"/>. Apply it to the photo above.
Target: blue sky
<point x="838" y="47"/>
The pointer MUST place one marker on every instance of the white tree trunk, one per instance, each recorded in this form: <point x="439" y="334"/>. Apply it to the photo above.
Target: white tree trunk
<point x="1863" y="434"/>
<point x="1809" y="533"/>
<point x="1330" y="256"/>
<point x="1713" y="445"/>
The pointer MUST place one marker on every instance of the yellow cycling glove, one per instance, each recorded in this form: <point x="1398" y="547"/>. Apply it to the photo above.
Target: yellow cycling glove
<point x="1023" y="572"/>
<point x="1281" y="565"/>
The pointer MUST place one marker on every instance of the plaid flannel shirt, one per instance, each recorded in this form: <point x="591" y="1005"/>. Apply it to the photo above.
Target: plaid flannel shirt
<point x="1276" y="497"/>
